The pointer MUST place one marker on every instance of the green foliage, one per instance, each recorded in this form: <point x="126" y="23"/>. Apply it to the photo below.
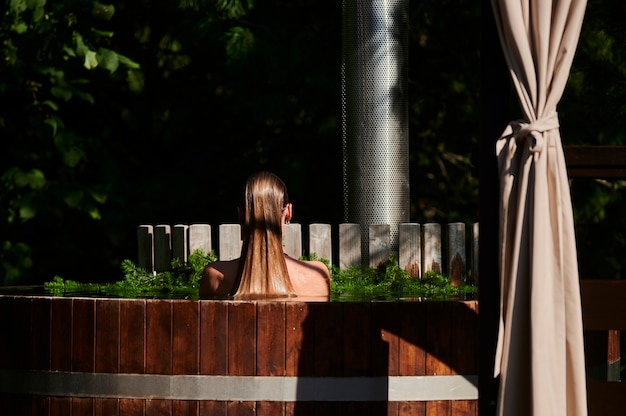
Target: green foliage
<point x="390" y="282"/>
<point x="358" y="283"/>
<point x="49" y="51"/>
<point x="182" y="280"/>
<point x="593" y="111"/>
<point x="213" y="91"/>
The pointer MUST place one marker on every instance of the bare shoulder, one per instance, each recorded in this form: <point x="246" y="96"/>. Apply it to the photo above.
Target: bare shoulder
<point x="309" y="278"/>
<point x="218" y="278"/>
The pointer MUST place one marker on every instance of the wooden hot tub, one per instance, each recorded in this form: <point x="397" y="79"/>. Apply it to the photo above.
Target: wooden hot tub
<point x="102" y="356"/>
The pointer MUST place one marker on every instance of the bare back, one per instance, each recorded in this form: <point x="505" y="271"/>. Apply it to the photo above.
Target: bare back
<point x="310" y="279"/>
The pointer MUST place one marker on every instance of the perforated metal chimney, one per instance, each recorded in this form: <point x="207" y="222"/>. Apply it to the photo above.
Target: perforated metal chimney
<point x="375" y="114"/>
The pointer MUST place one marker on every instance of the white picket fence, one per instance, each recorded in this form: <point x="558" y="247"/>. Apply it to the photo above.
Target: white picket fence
<point x="420" y="246"/>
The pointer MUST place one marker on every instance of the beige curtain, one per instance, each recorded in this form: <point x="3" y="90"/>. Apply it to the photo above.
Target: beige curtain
<point x="540" y="355"/>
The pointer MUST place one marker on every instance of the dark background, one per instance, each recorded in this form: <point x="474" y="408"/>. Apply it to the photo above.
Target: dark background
<point x="226" y="88"/>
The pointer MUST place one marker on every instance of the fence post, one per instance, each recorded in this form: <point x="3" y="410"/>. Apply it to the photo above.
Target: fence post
<point x="320" y="241"/>
<point x="229" y="241"/>
<point x="180" y="243"/>
<point x="379" y="244"/>
<point x="162" y="248"/>
<point x="475" y="246"/>
<point x="432" y="248"/>
<point x="457" y="264"/>
<point x="293" y="240"/>
<point x="409" y="248"/>
<point x="145" y="244"/>
<point x="200" y="238"/>
<point x="349" y="245"/>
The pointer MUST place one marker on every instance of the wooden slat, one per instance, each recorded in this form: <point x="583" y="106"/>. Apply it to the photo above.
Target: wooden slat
<point x="475" y="252"/>
<point x="132" y="336"/>
<point x="132" y="407"/>
<point x="106" y="407"/>
<point x="385" y="338"/>
<point x="410" y="248"/>
<point x="599" y="162"/>
<point x="379" y="244"/>
<point x="270" y="408"/>
<point x="200" y="238"/>
<point x="185" y="337"/>
<point x="320" y="241"/>
<point x="349" y="245"/>
<point x="412" y="409"/>
<point x="61" y="343"/>
<point x="457" y="257"/>
<point x="60" y="406"/>
<point x="241" y="339"/>
<point x="328" y="339"/>
<point x="241" y="408"/>
<point x="270" y="349"/>
<point x="229" y="241"/>
<point x="41" y="406"/>
<point x="158" y="407"/>
<point x="292" y="235"/>
<point x="464" y="408"/>
<point x="107" y="335"/>
<point x="438" y="350"/>
<point x="299" y="340"/>
<point x="432" y="248"/>
<point x="300" y="409"/>
<point x="83" y="334"/>
<point x="596" y="295"/>
<point x="40" y="334"/>
<point x="356" y="339"/>
<point x="185" y="408"/>
<point x="412" y="332"/>
<point x="213" y="408"/>
<point x="356" y="350"/>
<point x="158" y="337"/>
<point x="162" y="247"/>
<point x="464" y="355"/>
<point x="180" y="242"/>
<point x="464" y="342"/>
<point x="82" y="406"/>
<point x="438" y="408"/>
<point x="213" y="338"/>
<point x="19" y="320"/>
<point x="145" y="244"/>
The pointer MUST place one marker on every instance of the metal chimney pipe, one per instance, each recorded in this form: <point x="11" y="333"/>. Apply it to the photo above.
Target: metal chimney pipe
<point x="375" y="129"/>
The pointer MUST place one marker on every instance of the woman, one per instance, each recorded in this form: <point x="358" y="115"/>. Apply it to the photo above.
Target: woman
<point x="263" y="270"/>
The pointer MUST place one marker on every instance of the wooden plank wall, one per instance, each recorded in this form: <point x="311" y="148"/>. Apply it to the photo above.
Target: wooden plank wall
<point x="236" y="338"/>
<point x="421" y="247"/>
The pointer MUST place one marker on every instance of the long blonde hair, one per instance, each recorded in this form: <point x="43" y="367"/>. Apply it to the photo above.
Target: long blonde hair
<point x="262" y="266"/>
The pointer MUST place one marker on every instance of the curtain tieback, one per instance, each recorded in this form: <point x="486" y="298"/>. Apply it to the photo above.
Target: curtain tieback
<point x="532" y="133"/>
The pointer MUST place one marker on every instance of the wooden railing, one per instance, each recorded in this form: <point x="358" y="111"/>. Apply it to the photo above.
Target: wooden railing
<point x="421" y="247"/>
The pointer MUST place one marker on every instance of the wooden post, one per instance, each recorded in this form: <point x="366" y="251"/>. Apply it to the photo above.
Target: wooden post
<point x="475" y="246"/>
<point x="145" y="255"/>
<point x="349" y="245"/>
<point x="457" y="268"/>
<point x="293" y="240"/>
<point x="379" y="244"/>
<point x="200" y="238"/>
<point x="229" y="241"/>
<point x="432" y="248"/>
<point x="162" y="248"/>
<point x="409" y="248"/>
<point x="180" y="242"/>
<point x="320" y="241"/>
